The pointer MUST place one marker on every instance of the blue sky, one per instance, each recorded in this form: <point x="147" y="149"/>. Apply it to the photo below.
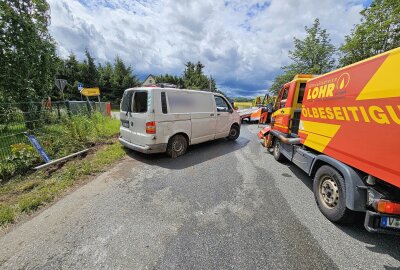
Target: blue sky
<point x="243" y="44"/>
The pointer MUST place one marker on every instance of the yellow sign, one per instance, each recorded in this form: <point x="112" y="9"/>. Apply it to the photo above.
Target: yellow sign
<point x="90" y="92"/>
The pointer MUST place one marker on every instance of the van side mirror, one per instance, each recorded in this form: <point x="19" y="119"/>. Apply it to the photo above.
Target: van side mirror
<point x="230" y="110"/>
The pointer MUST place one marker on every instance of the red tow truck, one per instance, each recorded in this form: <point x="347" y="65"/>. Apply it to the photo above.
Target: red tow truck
<point x="343" y="129"/>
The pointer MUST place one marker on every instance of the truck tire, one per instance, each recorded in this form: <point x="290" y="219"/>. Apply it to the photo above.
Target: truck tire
<point x="277" y="151"/>
<point x="234" y="133"/>
<point x="177" y="146"/>
<point x="330" y="195"/>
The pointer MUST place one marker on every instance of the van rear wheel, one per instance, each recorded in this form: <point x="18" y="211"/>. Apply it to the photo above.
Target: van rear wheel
<point x="177" y="146"/>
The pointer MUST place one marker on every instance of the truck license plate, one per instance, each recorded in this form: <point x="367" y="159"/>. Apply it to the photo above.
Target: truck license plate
<point x="390" y="222"/>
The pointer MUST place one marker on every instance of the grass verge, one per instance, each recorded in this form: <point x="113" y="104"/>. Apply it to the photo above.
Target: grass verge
<point x="67" y="135"/>
<point x="23" y="195"/>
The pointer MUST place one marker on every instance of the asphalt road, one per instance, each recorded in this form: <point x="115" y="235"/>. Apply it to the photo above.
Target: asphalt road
<point x="224" y="205"/>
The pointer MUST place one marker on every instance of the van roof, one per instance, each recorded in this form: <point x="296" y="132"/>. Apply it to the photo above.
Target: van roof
<point x="171" y="89"/>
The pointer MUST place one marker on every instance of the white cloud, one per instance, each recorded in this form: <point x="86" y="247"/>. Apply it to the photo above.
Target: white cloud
<point x="243" y="44"/>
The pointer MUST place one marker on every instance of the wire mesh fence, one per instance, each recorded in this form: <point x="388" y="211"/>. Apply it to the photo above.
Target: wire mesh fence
<point x="50" y="123"/>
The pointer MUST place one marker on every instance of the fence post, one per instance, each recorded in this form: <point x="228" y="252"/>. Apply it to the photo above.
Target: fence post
<point x="58" y="111"/>
<point x="68" y="108"/>
<point x="89" y="108"/>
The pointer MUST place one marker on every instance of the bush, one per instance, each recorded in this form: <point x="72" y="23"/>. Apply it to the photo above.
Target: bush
<point x="78" y="132"/>
<point x="22" y="157"/>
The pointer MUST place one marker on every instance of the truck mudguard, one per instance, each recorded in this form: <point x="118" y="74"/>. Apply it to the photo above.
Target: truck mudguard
<point x="356" y="192"/>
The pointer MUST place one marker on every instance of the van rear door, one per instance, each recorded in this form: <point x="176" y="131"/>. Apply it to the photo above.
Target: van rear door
<point x="135" y="108"/>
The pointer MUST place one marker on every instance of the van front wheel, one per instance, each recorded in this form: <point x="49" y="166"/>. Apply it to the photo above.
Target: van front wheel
<point x="234" y="133"/>
<point x="177" y="146"/>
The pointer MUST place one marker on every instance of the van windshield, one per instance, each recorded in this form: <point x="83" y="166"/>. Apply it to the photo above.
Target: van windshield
<point x="134" y="101"/>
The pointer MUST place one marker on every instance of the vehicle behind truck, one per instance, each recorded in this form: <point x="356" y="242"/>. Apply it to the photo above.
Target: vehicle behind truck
<point x="343" y="129"/>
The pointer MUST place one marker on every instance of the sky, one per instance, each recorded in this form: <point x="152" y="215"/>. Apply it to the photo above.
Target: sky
<point x="243" y="44"/>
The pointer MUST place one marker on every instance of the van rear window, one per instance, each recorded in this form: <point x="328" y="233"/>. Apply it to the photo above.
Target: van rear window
<point x="134" y="101"/>
<point x="126" y="101"/>
<point x="139" y="104"/>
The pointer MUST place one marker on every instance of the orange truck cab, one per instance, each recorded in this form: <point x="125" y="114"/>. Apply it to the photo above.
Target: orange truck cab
<point x="343" y="129"/>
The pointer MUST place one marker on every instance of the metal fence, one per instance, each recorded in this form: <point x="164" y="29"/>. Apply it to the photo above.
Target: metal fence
<point x="44" y="120"/>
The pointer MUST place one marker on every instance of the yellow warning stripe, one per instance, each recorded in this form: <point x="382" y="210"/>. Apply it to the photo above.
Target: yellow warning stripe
<point x="318" y="134"/>
<point x="385" y="83"/>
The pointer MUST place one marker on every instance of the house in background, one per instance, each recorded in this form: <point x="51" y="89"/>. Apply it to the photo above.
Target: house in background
<point x="150" y="80"/>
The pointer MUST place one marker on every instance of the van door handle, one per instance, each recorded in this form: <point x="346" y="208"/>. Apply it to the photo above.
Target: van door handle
<point x="211" y="114"/>
<point x="218" y="114"/>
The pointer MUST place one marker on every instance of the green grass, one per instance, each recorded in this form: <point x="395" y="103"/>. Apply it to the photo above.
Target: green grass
<point x="59" y="139"/>
<point x="7" y="214"/>
<point x="24" y="195"/>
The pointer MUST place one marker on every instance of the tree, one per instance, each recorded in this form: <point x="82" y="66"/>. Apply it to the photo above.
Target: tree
<point x="112" y="79"/>
<point x="89" y="72"/>
<point x="379" y="31"/>
<point x="122" y="78"/>
<point x="27" y="55"/>
<point x="178" y="81"/>
<point x="71" y="72"/>
<point x="194" y="78"/>
<point x="105" y="76"/>
<point x="280" y="80"/>
<point x="313" y="55"/>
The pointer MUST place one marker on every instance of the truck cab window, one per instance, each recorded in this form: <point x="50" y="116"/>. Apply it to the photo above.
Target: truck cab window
<point x="222" y="105"/>
<point x="302" y="89"/>
<point x="281" y="102"/>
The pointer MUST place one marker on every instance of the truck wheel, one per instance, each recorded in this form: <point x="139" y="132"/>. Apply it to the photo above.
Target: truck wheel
<point x="277" y="151"/>
<point x="330" y="195"/>
<point x="177" y="146"/>
<point x="234" y="133"/>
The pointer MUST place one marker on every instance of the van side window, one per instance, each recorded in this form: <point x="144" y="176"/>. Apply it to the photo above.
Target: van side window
<point x="301" y="93"/>
<point x="139" y="102"/>
<point x="126" y="101"/>
<point x="222" y="106"/>
<point x="164" y="103"/>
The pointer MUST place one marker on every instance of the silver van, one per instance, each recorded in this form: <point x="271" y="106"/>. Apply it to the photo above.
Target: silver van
<point x="155" y="120"/>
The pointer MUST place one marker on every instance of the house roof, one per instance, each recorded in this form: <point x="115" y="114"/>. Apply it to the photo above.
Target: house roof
<point x="150" y="75"/>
